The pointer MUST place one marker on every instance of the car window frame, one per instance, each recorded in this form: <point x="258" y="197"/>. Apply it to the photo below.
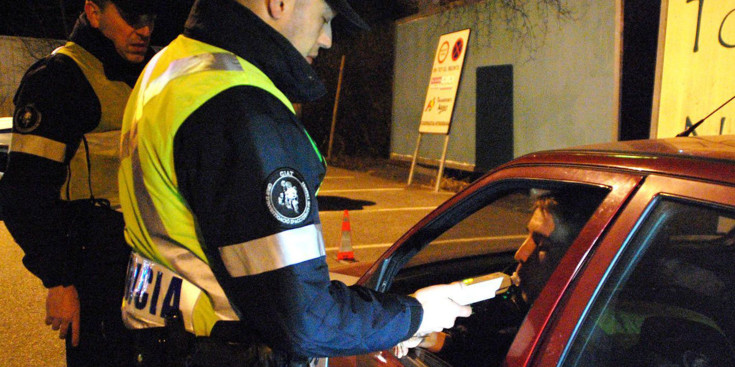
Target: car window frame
<point x="575" y="303"/>
<point x="620" y="185"/>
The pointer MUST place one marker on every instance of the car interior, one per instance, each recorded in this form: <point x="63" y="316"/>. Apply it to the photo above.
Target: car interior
<point x="669" y="301"/>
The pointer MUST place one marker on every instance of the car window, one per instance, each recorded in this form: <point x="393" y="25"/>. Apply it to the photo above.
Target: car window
<point x="668" y="299"/>
<point x="481" y="236"/>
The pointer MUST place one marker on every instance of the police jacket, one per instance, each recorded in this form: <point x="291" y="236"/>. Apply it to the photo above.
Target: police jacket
<point x="218" y="186"/>
<point x="81" y="87"/>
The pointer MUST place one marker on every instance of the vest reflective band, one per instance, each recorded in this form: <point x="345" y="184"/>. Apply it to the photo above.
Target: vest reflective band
<point x="104" y="140"/>
<point x="159" y="225"/>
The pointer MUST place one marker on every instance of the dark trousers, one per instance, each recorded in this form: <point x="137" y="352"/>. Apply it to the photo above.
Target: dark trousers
<point x="211" y="353"/>
<point x="172" y="346"/>
<point x="104" y="340"/>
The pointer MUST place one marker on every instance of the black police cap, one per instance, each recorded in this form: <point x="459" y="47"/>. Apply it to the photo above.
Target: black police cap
<point x="137" y="8"/>
<point x="343" y="8"/>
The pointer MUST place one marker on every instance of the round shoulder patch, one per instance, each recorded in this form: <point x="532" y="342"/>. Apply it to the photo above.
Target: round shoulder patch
<point x="27" y="119"/>
<point x="287" y="196"/>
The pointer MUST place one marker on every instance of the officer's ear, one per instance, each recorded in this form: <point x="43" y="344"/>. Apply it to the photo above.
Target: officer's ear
<point x="93" y="12"/>
<point x="276" y="8"/>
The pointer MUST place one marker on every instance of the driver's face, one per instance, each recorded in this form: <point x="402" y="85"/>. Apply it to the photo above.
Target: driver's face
<point x="534" y="265"/>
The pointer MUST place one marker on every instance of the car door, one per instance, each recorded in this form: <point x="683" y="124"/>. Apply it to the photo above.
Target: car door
<point x="423" y="252"/>
<point x="658" y="288"/>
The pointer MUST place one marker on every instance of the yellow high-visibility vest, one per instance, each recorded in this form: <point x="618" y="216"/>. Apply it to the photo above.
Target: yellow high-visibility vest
<point x="159" y="224"/>
<point x="105" y="138"/>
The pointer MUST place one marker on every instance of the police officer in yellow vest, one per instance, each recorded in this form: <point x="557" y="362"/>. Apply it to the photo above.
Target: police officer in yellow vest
<point x="59" y="212"/>
<point x="217" y="184"/>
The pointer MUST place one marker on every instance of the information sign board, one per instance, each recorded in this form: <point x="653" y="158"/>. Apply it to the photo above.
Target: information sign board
<point x="445" y="76"/>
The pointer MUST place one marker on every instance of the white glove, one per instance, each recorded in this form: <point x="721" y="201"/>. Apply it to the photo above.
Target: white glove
<point x="401" y="350"/>
<point x="440" y="311"/>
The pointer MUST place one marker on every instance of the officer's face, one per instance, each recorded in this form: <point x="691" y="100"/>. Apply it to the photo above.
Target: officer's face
<point x="131" y="38"/>
<point x="308" y="27"/>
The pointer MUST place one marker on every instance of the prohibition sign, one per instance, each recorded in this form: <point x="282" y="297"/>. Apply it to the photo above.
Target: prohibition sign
<point x="457" y="49"/>
<point x="443" y="52"/>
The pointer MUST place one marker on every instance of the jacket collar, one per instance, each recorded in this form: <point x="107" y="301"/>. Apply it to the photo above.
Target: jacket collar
<point x="233" y="27"/>
<point x="116" y="67"/>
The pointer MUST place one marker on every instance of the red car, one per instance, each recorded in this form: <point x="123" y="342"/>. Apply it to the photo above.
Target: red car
<point x="646" y="276"/>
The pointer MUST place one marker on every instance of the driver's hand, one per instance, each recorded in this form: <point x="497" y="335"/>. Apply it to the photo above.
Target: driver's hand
<point x="440" y="311"/>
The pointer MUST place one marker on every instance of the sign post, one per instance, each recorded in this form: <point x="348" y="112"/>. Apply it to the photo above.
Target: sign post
<point x="441" y="94"/>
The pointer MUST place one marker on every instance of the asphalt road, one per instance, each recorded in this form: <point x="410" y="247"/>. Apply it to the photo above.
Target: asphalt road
<point x="379" y="210"/>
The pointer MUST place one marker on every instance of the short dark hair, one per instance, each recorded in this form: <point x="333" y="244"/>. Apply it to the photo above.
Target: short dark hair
<point x="101" y="3"/>
<point x="571" y="209"/>
<point x="569" y="206"/>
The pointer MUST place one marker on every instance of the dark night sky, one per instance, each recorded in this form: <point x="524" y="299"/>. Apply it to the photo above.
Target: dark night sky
<point x="55" y="18"/>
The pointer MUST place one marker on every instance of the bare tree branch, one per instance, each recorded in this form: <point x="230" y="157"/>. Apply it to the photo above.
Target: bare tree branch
<point x="526" y="20"/>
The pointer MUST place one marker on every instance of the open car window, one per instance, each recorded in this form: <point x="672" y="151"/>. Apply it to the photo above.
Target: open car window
<point x="481" y="236"/>
<point x="667" y="300"/>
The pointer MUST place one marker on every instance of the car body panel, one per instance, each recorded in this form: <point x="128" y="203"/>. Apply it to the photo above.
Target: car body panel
<point x="577" y="298"/>
<point x="701" y="168"/>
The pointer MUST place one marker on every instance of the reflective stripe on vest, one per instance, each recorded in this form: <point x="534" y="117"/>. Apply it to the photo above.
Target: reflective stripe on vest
<point x="104" y="140"/>
<point x="159" y="225"/>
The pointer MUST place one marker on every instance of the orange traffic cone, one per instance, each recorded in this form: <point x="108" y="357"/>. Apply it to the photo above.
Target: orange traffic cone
<point x="345" y="252"/>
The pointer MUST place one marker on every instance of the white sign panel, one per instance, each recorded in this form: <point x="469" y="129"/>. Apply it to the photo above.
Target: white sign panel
<point x="445" y="75"/>
<point x="696" y="63"/>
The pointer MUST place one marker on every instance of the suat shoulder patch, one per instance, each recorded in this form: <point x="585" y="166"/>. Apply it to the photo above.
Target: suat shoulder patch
<point x="27" y="119"/>
<point x="287" y="196"/>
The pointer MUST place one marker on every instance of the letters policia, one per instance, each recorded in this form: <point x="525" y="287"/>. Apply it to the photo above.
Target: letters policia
<point x="217" y="184"/>
<point x="75" y="245"/>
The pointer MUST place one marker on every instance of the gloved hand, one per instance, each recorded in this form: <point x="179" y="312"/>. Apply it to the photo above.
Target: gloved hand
<point x="401" y="350"/>
<point x="433" y="342"/>
<point x="439" y="309"/>
<point x="440" y="312"/>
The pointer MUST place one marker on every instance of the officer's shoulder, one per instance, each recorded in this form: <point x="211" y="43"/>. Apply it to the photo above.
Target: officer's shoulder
<point x="53" y="69"/>
<point x="257" y="100"/>
<point x="242" y="106"/>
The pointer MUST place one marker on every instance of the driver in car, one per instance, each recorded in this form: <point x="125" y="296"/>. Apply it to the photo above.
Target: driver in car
<point x="557" y="218"/>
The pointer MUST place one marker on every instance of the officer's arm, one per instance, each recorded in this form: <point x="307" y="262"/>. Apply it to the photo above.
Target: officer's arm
<point x="47" y="127"/>
<point x="270" y="266"/>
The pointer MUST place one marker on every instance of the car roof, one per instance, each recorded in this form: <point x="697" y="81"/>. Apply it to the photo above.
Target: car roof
<point x="710" y="158"/>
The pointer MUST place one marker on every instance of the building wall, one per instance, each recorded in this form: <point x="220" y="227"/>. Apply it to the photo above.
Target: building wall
<point x="16" y="55"/>
<point x="565" y="78"/>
